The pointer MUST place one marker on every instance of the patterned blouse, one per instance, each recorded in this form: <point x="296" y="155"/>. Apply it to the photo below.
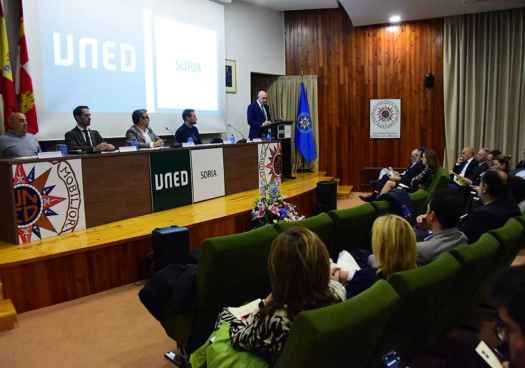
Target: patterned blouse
<point x="266" y="336"/>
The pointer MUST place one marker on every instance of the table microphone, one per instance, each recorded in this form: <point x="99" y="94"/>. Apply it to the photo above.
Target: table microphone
<point x="238" y="131"/>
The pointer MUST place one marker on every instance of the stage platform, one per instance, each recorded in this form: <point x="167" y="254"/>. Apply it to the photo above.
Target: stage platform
<point x="67" y="267"/>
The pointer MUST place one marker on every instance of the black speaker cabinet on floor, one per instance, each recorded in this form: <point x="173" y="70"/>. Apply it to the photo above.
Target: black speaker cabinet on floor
<point x="171" y="245"/>
<point x="326" y="194"/>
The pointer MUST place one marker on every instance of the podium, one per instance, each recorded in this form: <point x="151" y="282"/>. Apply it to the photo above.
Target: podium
<point x="282" y="131"/>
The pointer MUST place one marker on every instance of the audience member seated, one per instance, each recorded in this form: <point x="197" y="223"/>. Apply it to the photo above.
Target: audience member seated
<point x="483" y="165"/>
<point x="517" y="188"/>
<point x="415" y="168"/>
<point x="520" y="168"/>
<point x="188" y="132"/>
<point x="492" y="154"/>
<point x="141" y="132"/>
<point x="444" y="211"/>
<point x="81" y="138"/>
<point x="501" y="162"/>
<point x="17" y="142"/>
<point x="394" y="250"/>
<point x="299" y="269"/>
<point x="498" y="206"/>
<point x="422" y="180"/>
<point x="508" y="294"/>
<point x="467" y="165"/>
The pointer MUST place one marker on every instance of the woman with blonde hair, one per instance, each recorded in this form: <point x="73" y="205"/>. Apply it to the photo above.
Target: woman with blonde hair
<point x="299" y="269"/>
<point x="394" y="250"/>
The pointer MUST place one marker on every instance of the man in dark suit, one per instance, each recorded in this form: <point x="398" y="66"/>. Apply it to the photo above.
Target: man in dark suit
<point x="498" y="206"/>
<point x="466" y="166"/>
<point x="413" y="170"/>
<point x="141" y="132"/>
<point x="482" y="157"/>
<point x="259" y="115"/>
<point x="81" y="138"/>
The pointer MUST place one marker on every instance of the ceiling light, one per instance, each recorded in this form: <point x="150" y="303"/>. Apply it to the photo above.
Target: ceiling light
<point x="395" y="19"/>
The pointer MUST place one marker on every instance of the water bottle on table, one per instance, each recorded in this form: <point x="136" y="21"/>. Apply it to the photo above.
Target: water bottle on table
<point x="232" y="139"/>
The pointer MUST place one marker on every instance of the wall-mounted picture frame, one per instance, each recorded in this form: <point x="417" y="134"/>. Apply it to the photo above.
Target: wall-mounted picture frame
<point x="231" y="76"/>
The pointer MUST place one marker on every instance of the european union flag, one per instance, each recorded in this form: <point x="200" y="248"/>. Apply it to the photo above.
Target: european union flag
<point x="304" y="134"/>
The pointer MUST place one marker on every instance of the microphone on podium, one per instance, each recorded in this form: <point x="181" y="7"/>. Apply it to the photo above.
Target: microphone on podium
<point x="243" y="139"/>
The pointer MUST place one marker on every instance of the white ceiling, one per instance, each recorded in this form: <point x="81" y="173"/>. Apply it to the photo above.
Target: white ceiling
<point x="366" y="12"/>
<point x="295" y="4"/>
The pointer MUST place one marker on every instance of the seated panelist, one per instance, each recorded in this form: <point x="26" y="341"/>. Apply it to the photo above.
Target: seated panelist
<point x="81" y="137"/>
<point x="17" y="142"/>
<point x="141" y="131"/>
<point x="188" y="132"/>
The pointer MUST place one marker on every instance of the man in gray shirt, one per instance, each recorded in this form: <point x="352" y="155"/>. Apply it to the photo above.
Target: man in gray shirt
<point x="17" y="142"/>
<point x="444" y="211"/>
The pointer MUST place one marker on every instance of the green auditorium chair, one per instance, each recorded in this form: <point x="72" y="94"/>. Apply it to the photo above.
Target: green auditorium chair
<point x="521" y="219"/>
<point x="478" y="267"/>
<point x="232" y="271"/>
<point x="322" y="225"/>
<point x="427" y="293"/>
<point x="353" y="227"/>
<point x="341" y="335"/>
<point x="511" y="237"/>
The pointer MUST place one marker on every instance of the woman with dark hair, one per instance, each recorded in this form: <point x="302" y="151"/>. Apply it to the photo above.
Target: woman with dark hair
<point x="501" y="162"/>
<point x="299" y="269"/>
<point x="423" y="180"/>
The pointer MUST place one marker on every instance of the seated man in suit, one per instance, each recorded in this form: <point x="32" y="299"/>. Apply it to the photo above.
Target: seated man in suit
<point x="498" y="206"/>
<point x="141" y="132"/>
<point x="466" y="167"/>
<point x="81" y="138"/>
<point x="415" y="168"/>
<point x="17" y="142"/>
<point x="483" y="165"/>
<point x="520" y="168"/>
<point x="444" y="211"/>
<point x="188" y="132"/>
<point x="258" y="115"/>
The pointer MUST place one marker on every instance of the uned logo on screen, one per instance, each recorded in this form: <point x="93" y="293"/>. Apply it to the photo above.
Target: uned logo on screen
<point x="92" y="53"/>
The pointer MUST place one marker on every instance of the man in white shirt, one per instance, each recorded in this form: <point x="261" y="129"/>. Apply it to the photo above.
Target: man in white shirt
<point x="466" y="166"/>
<point x="141" y="133"/>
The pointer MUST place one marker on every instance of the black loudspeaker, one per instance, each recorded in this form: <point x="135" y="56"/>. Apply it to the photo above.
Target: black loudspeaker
<point x="326" y="193"/>
<point x="429" y="80"/>
<point x="171" y="245"/>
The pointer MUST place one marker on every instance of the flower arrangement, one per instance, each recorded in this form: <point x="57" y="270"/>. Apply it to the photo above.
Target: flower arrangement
<point x="271" y="207"/>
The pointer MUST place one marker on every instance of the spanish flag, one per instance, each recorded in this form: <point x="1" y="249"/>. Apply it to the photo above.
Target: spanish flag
<point x="26" y="97"/>
<point x="7" y="86"/>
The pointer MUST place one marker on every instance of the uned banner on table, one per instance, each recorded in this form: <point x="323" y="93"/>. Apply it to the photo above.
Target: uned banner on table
<point x="208" y="174"/>
<point x="49" y="199"/>
<point x="171" y="180"/>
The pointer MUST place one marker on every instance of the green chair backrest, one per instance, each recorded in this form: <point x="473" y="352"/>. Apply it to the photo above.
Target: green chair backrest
<point x="341" y="335"/>
<point x="353" y="227"/>
<point x="322" y="225"/>
<point x="440" y="180"/>
<point x="511" y="237"/>
<point x="419" y="200"/>
<point x="426" y="293"/>
<point x="478" y="267"/>
<point x="521" y="219"/>
<point x="232" y="271"/>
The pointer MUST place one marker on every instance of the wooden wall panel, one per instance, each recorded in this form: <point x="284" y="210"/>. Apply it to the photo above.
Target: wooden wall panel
<point x="105" y="181"/>
<point x="240" y="168"/>
<point x="355" y="65"/>
<point x="7" y="207"/>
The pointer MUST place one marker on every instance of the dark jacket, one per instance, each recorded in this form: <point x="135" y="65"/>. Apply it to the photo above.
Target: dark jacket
<point x="480" y="170"/>
<point x="519" y="167"/>
<point x="256" y="118"/>
<point x="471" y="171"/>
<point x="135" y="133"/>
<point x="184" y="133"/>
<point x="75" y="140"/>
<point x="488" y="217"/>
<point x="411" y="172"/>
<point x="422" y="180"/>
<point x="362" y="280"/>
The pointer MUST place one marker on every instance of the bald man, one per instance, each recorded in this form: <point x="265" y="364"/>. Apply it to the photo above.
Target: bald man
<point x="467" y="165"/>
<point x="17" y="142"/>
<point x="259" y="115"/>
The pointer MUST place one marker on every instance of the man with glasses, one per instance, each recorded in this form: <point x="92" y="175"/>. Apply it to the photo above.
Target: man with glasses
<point x="140" y="133"/>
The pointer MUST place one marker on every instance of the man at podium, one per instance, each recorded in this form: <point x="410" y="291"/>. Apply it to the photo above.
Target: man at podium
<point x="259" y="115"/>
